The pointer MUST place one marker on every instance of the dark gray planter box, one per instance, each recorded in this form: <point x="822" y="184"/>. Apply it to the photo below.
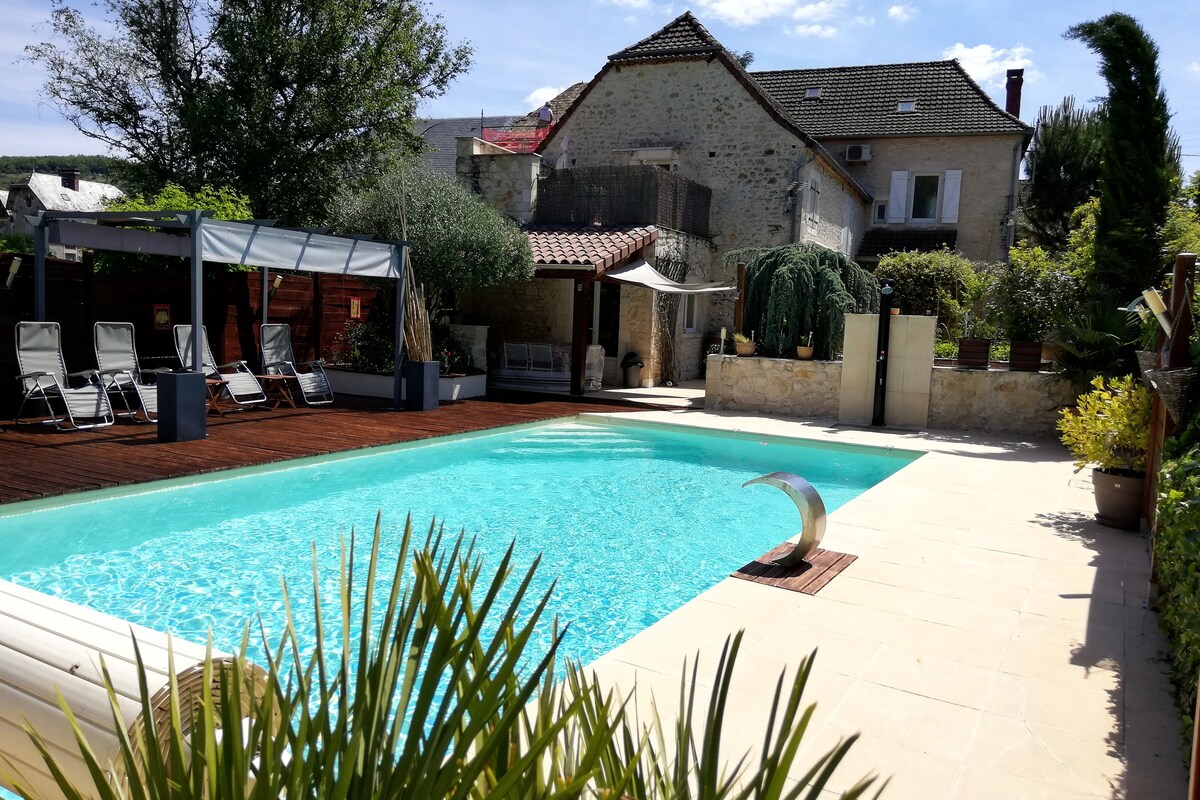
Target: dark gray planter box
<point x="421" y="385"/>
<point x="182" y="406"/>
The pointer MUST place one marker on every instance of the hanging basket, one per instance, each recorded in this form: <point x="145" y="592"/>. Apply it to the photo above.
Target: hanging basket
<point x="1174" y="389"/>
<point x="1146" y="360"/>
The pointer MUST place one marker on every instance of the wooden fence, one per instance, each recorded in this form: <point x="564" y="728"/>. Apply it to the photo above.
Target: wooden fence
<point x="316" y="306"/>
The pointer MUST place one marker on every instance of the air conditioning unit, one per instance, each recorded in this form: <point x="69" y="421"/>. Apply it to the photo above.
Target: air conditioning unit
<point x="858" y="152"/>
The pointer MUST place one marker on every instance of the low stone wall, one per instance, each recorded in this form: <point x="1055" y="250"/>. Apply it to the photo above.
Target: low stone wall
<point x="991" y="401"/>
<point x="996" y="401"/>
<point x="773" y="386"/>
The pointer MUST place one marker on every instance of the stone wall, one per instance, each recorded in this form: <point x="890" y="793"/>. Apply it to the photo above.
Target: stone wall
<point x="987" y="171"/>
<point x="996" y="401"/>
<point x="537" y="311"/>
<point x="506" y="181"/>
<point x="992" y="401"/>
<point x="773" y="386"/>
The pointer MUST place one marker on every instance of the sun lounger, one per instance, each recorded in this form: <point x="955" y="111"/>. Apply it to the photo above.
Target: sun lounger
<point x="44" y="377"/>
<point x="120" y="373"/>
<point x="241" y="385"/>
<point x="277" y="356"/>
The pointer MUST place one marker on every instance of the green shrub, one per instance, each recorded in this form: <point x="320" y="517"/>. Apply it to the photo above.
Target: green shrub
<point x="937" y="282"/>
<point x="1109" y="427"/>
<point x="1031" y="292"/>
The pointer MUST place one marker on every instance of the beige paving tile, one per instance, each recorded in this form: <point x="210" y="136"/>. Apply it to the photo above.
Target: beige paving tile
<point x="977" y="648"/>
<point x="894" y="548"/>
<point x="966" y="614"/>
<point x="931" y="676"/>
<point x="856" y="620"/>
<point x="1065" y="759"/>
<point x="1056" y="664"/>
<point x="929" y="725"/>
<point x="978" y="588"/>
<point x="871" y="594"/>
<point x="836" y="651"/>
<point x="1078" y="606"/>
<point x="982" y="783"/>
<point x="1090" y="708"/>
<point x="911" y="773"/>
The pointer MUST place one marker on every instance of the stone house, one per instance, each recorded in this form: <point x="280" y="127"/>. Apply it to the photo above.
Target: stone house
<point x="61" y="192"/>
<point x="859" y="160"/>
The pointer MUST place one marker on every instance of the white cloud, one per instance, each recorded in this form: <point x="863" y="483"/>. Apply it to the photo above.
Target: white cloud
<point x="987" y="64"/>
<point x="864" y="21"/>
<point x="1194" y="66"/>
<point x="747" y="12"/>
<point x="541" y="95"/>
<point x="819" y="11"/>
<point x="819" y="31"/>
<point x="902" y="12"/>
<point x="629" y="3"/>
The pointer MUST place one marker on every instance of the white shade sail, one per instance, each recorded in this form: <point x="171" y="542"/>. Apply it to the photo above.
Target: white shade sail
<point x="640" y="273"/>
<point x="279" y="248"/>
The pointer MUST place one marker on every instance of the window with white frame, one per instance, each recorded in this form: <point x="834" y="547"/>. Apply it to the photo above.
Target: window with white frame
<point x="880" y="215"/>
<point x="923" y="197"/>
<point x="691" y="322"/>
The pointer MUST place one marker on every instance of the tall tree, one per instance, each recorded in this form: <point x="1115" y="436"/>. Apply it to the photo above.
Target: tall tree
<point x="1138" y="165"/>
<point x="1064" y="172"/>
<point x="277" y="99"/>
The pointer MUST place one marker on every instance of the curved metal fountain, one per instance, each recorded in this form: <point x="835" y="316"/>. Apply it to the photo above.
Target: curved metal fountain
<point x="812" y="513"/>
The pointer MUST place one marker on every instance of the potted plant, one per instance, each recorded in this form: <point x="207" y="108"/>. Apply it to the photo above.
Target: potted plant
<point x="975" y="345"/>
<point x="804" y="351"/>
<point x="743" y="344"/>
<point x="1110" y="429"/>
<point x="1030" y="292"/>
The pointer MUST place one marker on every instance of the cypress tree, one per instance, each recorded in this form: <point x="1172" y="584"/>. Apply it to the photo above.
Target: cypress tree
<point x="1137" y="166"/>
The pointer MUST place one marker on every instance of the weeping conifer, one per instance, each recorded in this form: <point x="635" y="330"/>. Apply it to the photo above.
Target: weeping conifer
<point x="793" y="290"/>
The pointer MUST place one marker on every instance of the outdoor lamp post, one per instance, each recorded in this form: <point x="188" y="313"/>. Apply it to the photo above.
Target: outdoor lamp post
<point x="881" y="352"/>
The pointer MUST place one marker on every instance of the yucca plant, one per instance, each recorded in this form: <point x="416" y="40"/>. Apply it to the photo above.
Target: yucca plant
<point x="439" y="697"/>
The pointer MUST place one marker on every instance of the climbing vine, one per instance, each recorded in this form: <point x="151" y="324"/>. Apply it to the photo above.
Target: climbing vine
<point x="795" y="290"/>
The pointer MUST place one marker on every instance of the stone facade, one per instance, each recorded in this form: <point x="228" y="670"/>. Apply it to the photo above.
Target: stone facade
<point x="773" y="386"/>
<point x="997" y="401"/>
<point x="985" y="191"/>
<point x="696" y="117"/>
<point x="506" y="180"/>
<point x="537" y="311"/>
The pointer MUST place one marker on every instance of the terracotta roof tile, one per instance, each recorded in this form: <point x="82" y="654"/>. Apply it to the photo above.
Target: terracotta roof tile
<point x="560" y="245"/>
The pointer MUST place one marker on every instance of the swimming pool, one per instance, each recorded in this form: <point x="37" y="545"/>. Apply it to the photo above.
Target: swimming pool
<point x="632" y="521"/>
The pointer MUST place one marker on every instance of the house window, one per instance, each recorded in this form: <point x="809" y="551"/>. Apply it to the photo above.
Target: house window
<point x="880" y="216"/>
<point x="906" y="106"/>
<point x="812" y="93"/>
<point x="689" y="313"/>
<point x="924" y="202"/>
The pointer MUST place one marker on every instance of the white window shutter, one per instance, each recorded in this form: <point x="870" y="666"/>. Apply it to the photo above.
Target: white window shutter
<point x="897" y="209"/>
<point x="953" y="189"/>
<point x="847" y="216"/>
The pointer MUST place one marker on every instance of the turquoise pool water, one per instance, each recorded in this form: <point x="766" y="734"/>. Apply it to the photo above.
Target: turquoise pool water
<point x="633" y="521"/>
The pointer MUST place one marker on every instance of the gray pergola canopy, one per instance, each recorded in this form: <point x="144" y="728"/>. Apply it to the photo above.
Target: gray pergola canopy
<point x="199" y="237"/>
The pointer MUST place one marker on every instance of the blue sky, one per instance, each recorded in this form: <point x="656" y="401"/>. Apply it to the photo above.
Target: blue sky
<point x="525" y="51"/>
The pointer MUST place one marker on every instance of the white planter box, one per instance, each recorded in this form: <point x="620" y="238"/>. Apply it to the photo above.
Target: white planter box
<point x="364" y="384"/>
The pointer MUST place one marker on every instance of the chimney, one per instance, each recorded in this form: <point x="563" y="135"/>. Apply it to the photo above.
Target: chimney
<point x="1012" y="92"/>
<point x="70" y="178"/>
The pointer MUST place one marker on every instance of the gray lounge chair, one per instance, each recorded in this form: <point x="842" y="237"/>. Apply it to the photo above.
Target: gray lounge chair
<point x="243" y="388"/>
<point x="44" y="377"/>
<point x="277" y="356"/>
<point x="116" y="356"/>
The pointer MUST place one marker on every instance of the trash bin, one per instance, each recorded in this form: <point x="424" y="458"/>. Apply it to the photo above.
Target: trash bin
<point x="632" y="365"/>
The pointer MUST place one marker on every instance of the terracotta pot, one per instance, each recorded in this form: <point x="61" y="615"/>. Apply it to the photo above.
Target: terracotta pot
<point x="895" y="312"/>
<point x="744" y="348"/>
<point x="1118" y="500"/>
<point x="804" y="353"/>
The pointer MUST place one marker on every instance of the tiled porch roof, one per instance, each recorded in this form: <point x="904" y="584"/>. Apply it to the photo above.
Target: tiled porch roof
<point x="881" y="241"/>
<point x="561" y="245"/>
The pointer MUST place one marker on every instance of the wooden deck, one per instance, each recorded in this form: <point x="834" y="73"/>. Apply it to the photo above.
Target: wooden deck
<point x="808" y="578"/>
<point x="39" y="461"/>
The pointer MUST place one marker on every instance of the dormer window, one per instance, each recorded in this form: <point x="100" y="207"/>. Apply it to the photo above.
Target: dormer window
<point x="906" y="106"/>
<point x="812" y="93"/>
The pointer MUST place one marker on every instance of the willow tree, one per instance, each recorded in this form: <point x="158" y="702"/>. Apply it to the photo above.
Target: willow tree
<point x="794" y="290"/>
<point x="1138" y="164"/>
<point x="277" y="100"/>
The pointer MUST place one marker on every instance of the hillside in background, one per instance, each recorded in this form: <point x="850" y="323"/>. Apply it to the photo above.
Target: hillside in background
<point x="91" y="168"/>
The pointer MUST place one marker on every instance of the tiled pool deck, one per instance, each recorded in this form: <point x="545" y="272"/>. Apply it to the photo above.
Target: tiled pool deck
<point x="991" y="640"/>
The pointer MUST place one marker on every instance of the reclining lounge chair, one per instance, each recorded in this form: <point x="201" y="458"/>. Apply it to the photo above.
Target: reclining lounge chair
<point x="116" y="356"/>
<point x="277" y="355"/>
<point x="243" y="388"/>
<point x="44" y="377"/>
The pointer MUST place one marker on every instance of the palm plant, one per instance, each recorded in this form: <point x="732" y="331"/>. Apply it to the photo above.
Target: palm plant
<point x="439" y="698"/>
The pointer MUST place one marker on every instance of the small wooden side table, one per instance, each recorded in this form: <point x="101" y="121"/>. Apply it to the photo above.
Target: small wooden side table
<point x="216" y="389"/>
<point x="276" y="385"/>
